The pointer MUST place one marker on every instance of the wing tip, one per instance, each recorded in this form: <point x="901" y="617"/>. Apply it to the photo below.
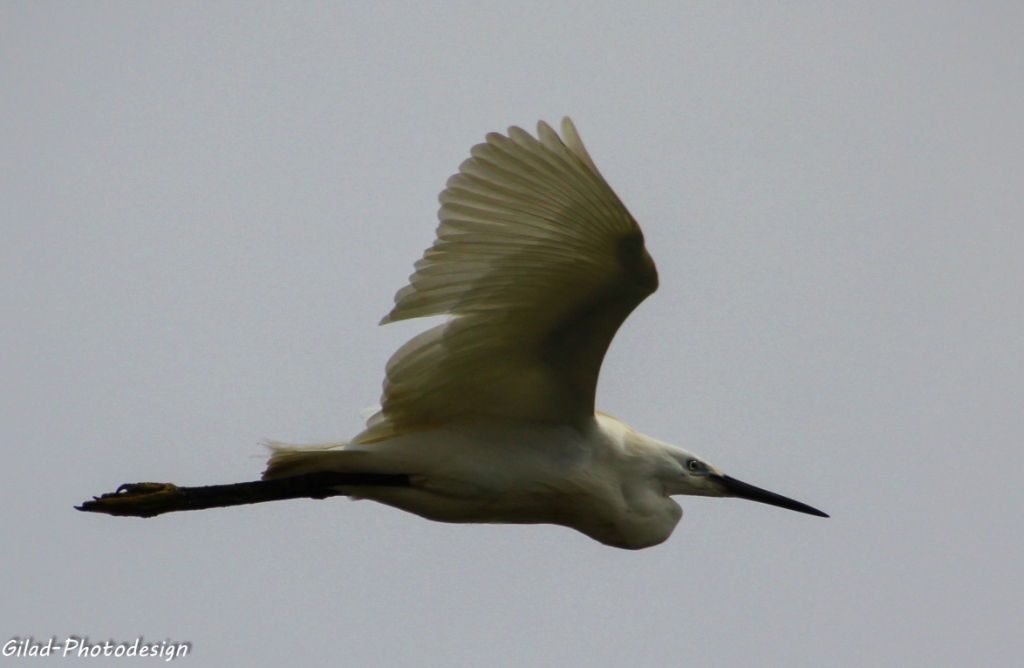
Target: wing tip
<point x="572" y="141"/>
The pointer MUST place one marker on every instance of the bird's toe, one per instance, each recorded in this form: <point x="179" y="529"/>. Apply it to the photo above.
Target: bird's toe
<point x="140" y="499"/>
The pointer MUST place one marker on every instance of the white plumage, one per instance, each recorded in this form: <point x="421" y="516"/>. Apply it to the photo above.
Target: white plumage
<point x="491" y="414"/>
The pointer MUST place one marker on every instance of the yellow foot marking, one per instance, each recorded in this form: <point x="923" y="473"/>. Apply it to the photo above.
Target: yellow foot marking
<point x="141" y="499"/>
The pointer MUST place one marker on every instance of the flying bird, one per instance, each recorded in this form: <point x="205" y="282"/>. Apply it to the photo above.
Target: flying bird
<point x="490" y="417"/>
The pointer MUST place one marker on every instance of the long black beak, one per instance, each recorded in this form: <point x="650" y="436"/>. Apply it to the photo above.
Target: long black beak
<point x="742" y="490"/>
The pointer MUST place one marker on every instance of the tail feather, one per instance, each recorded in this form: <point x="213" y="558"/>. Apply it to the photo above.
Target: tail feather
<point x="288" y="460"/>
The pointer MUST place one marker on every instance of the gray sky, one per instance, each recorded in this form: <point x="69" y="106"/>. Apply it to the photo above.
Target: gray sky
<point x="206" y="209"/>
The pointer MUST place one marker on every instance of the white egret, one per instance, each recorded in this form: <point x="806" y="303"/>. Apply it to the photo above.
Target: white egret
<point x="490" y="416"/>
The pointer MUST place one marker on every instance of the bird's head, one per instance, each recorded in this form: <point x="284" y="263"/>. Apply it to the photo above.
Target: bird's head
<point x="690" y="475"/>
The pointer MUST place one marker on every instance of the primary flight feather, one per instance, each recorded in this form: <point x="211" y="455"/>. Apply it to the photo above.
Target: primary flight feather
<point x="490" y="416"/>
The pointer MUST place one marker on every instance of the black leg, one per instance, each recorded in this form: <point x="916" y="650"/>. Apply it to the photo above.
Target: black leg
<point x="148" y="499"/>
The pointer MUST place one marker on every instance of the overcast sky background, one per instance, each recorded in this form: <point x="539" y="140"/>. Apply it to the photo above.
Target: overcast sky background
<point x="206" y="209"/>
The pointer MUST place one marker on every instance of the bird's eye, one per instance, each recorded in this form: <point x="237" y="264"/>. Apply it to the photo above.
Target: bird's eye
<point x="693" y="465"/>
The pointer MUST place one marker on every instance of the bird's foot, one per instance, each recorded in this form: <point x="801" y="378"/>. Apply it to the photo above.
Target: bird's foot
<point x="140" y="499"/>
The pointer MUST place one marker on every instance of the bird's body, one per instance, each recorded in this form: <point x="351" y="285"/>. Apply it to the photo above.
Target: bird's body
<point x="597" y="480"/>
<point x="490" y="416"/>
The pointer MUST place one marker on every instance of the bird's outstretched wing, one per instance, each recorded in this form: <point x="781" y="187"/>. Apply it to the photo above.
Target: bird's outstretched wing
<point x="539" y="263"/>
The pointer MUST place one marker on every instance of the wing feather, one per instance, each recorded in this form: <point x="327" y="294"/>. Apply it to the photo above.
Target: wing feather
<point x="538" y="263"/>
